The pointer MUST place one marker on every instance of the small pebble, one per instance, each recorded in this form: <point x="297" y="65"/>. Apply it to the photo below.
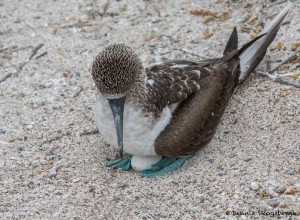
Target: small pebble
<point x="43" y="147"/>
<point x="222" y="173"/>
<point x="265" y="206"/>
<point x="55" y="106"/>
<point x="29" y="127"/>
<point x="20" y="148"/>
<point x="43" y="162"/>
<point x="30" y="185"/>
<point x="294" y="104"/>
<point x="55" y="156"/>
<point x="254" y="186"/>
<point x="248" y="159"/>
<point x="272" y="183"/>
<point x="86" y="86"/>
<point x="58" y="192"/>
<point x="273" y="202"/>
<point x="211" y="160"/>
<point x="291" y="114"/>
<point x="52" y="172"/>
<point x="291" y="172"/>
<point x="271" y="192"/>
<point x="280" y="189"/>
<point x="76" y="180"/>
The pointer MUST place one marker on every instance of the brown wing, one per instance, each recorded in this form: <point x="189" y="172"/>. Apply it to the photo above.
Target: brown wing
<point x="195" y="120"/>
<point x="174" y="81"/>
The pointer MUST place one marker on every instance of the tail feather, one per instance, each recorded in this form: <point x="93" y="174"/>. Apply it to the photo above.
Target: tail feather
<point x="253" y="54"/>
<point x="249" y="44"/>
<point x="232" y="43"/>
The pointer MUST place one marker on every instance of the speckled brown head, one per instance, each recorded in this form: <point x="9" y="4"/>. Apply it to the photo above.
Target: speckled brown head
<point x="115" y="70"/>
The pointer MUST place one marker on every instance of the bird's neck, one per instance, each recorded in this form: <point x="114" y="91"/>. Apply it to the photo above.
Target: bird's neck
<point x="139" y="95"/>
<point x="139" y="88"/>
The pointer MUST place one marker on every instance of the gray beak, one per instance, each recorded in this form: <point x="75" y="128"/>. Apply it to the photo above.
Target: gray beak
<point x="117" y="108"/>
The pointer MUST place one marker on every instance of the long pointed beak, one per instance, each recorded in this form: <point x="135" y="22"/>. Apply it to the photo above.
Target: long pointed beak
<point x="117" y="108"/>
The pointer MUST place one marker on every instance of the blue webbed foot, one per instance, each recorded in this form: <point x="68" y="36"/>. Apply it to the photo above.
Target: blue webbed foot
<point x="123" y="164"/>
<point x="165" y="165"/>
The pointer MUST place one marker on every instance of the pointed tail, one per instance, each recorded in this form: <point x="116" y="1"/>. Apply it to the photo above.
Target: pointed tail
<point x="252" y="56"/>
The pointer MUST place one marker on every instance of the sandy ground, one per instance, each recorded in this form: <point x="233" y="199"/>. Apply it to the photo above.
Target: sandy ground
<point x="51" y="161"/>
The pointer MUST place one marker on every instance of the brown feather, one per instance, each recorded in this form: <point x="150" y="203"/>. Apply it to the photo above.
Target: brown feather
<point x="174" y="84"/>
<point x="195" y="120"/>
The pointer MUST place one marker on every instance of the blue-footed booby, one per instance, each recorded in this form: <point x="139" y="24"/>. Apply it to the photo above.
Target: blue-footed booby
<point x="162" y="115"/>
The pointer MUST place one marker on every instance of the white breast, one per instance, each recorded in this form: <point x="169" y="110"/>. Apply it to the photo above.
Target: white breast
<point x="139" y="132"/>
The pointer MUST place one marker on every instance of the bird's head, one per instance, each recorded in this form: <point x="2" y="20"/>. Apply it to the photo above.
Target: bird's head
<point x="114" y="71"/>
